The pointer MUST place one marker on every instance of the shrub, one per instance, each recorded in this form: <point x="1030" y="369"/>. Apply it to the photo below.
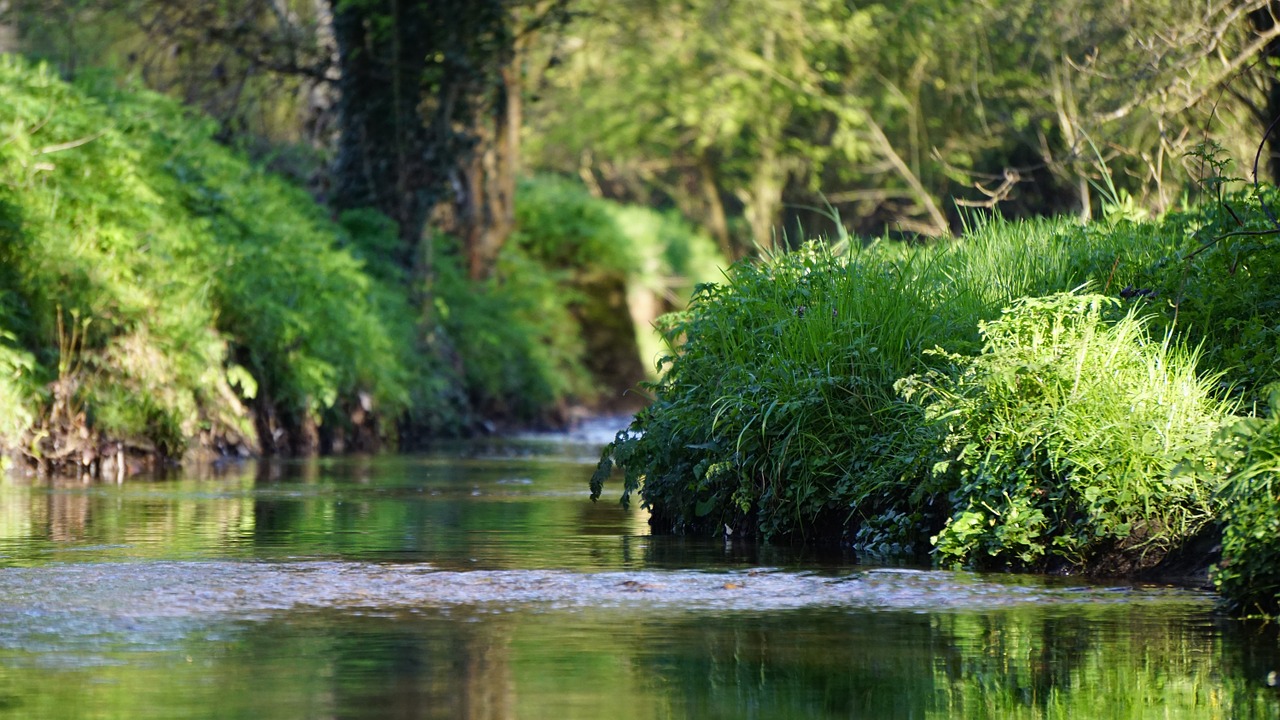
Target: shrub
<point x="146" y="268"/>
<point x="518" y="337"/>
<point x="16" y="391"/>
<point x="1221" y="287"/>
<point x="1064" y="439"/>
<point x="98" y="270"/>
<point x="519" y="348"/>
<point x="560" y="225"/>
<point x="671" y="259"/>
<point x="778" y="413"/>
<point x="1248" y="577"/>
<point x="553" y="325"/>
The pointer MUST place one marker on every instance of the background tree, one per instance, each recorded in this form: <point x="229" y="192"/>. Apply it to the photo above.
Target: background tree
<point x="416" y="103"/>
<point x="754" y="119"/>
<point x="895" y="113"/>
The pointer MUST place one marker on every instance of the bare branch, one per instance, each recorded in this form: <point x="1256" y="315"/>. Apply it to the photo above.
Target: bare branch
<point x="996" y="196"/>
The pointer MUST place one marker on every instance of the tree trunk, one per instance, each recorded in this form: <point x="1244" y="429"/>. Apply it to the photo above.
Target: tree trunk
<point x="487" y="211"/>
<point x="384" y="159"/>
<point x="1264" y="21"/>
<point x="713" y="213"/>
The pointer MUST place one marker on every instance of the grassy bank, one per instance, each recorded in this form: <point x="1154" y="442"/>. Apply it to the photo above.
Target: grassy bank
<point x="161" y="291"/>
<point x="161" y="295"/>
<point x="1037" y="395"/>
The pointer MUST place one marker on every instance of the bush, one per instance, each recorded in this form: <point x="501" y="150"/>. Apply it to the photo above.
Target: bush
<point x="16" y="392"/>
<point x="98" y="270"/>
<point x="671" y="259"/>
<point x="560" y="225"/>
<point x="518" y="337"/>
<point x="779" y="415"/>
<point x="518" y="346"/>
<point x="1067" y="439"/>
<point x="146" y="268"/>
<point x="1248" y="577"/>
<point x="1223" y="293"/>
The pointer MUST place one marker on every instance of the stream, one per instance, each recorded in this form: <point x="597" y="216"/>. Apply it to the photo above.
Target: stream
<point x="480" y="581"/>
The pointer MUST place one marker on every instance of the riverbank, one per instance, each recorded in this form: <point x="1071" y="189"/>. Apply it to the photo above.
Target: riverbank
<point x="165" y="296"/>
<point x="1036" y="396"/>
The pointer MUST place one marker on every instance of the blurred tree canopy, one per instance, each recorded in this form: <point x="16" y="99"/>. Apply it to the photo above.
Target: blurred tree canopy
<point x="892" y="113"/>
<point x="415" y="104"/>
<point x="756" y="120"/>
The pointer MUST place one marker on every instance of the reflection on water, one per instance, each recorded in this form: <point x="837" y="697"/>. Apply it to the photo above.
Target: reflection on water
<point x="480" y="582"/>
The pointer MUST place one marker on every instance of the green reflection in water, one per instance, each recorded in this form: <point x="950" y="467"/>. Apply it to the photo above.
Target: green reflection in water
<point x="469" y="663"/>
<point x="517" y="509"/>
<point x="455" y="511"/>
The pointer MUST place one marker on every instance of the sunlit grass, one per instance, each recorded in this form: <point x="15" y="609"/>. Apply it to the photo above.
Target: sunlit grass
<point x="780" y="414"/>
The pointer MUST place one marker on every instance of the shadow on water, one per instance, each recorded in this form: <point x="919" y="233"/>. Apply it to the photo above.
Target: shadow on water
<point x="479" y="581"/>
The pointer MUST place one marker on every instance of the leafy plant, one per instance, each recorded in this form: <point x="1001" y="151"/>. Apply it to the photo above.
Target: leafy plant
<point x="778" y="413"/>
<point x="517" y="345"/>
<point x="1248" y="577"/>
<point x="185" y="266"/>
<point x="1065" y="437"/>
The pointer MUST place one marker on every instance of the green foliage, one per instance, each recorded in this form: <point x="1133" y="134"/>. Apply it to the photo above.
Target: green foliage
<point x="560" y="225"/>
<point x="779" y="412"/>
<point x="519" y="336"/>
<point x="965" y="391"/>
<point x="144" y="264"/>
<point x="518" y="346"/>
<point x="1249" y="575"/>
<point x="671" y="259"/>
<point x="371" y="237"/>
<point x="1222" y="286"/>
<point x="744" y="114"/>
<point x="87" y="234"/>
<point x="1059" y="431"/>
<point x="16" y="391"/>
<point x="1065" y="437"/>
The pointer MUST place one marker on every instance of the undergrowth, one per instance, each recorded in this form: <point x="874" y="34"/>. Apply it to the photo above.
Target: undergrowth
<point x="1070" y="436"/>
<point x="159" y="289"/>
<point x="1248" y="576"/>
<point x="1037" y="394"/>
<point x="553" y="326"/>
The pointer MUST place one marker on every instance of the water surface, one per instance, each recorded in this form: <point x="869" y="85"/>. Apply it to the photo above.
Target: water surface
<point x="481" y="582"/>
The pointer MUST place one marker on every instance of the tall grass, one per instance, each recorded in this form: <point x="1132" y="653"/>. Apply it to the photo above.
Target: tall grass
<point x="1067" y="436"/>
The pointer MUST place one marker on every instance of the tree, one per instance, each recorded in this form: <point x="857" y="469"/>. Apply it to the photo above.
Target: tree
<point x="716" y="104"/>
<point x="428" y="92"/>
<point x="1265" y="20"/>
<point x="427" y="111"/>
<point x="744" y="114"/>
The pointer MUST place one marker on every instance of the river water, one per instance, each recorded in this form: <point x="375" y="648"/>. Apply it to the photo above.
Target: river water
<point x="479" y="581"/>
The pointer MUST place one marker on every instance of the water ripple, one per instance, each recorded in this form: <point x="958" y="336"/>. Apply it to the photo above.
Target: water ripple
<point x="188" y="589"/>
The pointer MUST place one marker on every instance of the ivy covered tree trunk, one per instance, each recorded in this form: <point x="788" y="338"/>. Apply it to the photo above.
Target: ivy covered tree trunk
<point x="485" y="207"/>
<point x="384" y="157"/>
<point x="429" y="118"/>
